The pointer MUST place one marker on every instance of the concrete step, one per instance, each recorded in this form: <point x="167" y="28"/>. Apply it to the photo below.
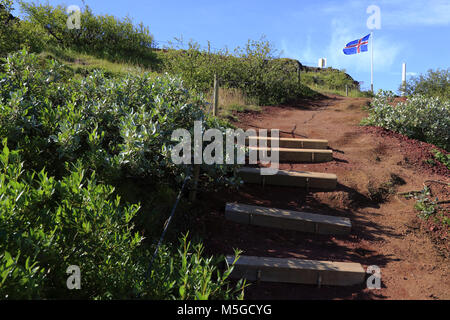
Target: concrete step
<point x="299" y="155"/>
<point x="287" y="219"/>
<point x="297" y="271"/>
<point x="326" y="181"/>
<point x="293" y="143"/>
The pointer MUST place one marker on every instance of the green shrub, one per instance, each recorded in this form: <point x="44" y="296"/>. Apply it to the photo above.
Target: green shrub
<point x="46" y="225"/>
<point x="424" y="204"/>
<point x="15" y="33"/>
<point x="7" y="24"/>
<point x="442" y="158"/>
<point x="329" y="79"/>
<point x="118" y="127"/>
<point x="103" y="36"/>
<point x="423" y="118"/>
<point x="77" y="137"/>
<point x="436" y="83"/>
<point x="189" y="276"/>
<point x="255" y="69"/>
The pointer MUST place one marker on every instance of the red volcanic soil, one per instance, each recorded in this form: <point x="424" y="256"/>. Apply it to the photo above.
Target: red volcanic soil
<point x="412" y="253"/>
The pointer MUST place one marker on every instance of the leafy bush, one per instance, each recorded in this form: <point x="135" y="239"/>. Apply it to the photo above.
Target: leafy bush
<point x="424" y="204"/>
<point x="255" y="69"/>
<point x="436" y="83"/>
<point x="331" y="79"/>
<point x="15" y="34"/>
<point x="103" y="36"/>
<point x="442" y="158"/>
<point x="189" y="276"/>
<point x="77" y="138"/>
<point x="420" y="117"/>
<point x="117" y="127"/>
<point x="6" y="26"/>
<point x="47" y="225"/>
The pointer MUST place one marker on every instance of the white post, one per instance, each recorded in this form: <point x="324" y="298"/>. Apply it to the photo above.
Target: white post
<point x="403" y="79"/>
<point x="371" y="62"/>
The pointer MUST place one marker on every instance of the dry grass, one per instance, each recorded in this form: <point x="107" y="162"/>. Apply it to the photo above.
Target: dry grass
<point x="230" y="96"/>
<point x="232" y="101"/>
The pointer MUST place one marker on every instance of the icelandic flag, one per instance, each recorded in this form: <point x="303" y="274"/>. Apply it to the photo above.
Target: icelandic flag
<point x="357" y="46"/>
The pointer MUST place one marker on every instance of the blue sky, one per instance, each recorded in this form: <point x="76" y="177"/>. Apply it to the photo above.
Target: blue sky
<point x="413" y="31"/>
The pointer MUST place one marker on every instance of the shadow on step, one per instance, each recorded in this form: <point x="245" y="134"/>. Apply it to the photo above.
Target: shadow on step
<point x="222" y="236"/>
<point x="285" y="291"/>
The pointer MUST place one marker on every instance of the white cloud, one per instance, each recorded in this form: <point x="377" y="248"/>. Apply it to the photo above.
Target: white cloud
<point x="402" y="13"/>
<point x="346" y="21"/>
<point x="306" y="55"/>
<point x="395" y="13"/>
<point x="385" y="49"/>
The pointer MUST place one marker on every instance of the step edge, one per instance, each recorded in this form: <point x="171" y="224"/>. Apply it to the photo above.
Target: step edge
<point x="297" y="215"/>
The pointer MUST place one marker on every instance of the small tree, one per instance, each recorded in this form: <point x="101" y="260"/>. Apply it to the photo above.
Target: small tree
<point x="7" y="20"/>
<point x="436" y="83"/>
<point x="103" y="36"/>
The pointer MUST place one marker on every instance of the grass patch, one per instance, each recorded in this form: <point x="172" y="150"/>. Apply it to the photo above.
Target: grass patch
<point x="230" y="110"/>
<point x="332" y="81"/>
<point x="232" y="101"/>
<point x="84" y="64"/>
<point x="353" y="93"/>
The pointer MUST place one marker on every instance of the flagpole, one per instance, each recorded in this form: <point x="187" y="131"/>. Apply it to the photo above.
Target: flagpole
<point x="371" y="62"/>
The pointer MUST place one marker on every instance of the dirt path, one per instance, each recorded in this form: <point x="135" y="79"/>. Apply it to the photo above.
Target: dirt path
<point x="386" y="234"/>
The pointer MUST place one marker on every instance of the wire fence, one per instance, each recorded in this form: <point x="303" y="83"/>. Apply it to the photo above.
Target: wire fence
<point x="167" y="223"/>
<point x="181" y="45"/>
<point x="190" y="173"/>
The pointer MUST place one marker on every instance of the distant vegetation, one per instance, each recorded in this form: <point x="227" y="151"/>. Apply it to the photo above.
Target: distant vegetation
<point x="332" y="81"/>
<point x="45" y="27"/>
<point x="255" y="70"/>
<point x="440" y="157"/>
<point x="435" y="83"/>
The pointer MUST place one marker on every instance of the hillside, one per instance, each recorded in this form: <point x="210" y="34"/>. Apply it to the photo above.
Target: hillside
<point x="113" y="163"/>
<point x="118" y="46"/>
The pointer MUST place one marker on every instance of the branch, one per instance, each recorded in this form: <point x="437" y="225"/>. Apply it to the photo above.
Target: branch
<point x="53" y="34"/>
<point x="438" y="181"/>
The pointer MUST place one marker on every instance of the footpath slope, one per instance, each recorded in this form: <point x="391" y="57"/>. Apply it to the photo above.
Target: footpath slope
<point x="386" y="231"/>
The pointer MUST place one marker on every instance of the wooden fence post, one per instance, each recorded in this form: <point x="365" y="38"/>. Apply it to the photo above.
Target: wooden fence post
<point x="216" y="96"/>
<point x="193" y="193"/>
